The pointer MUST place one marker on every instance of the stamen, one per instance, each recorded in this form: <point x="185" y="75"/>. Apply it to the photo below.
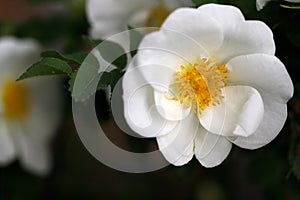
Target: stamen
<point x="169" y="98"/>
<point x="15" y="99"/>
<point x="199" y="85"/>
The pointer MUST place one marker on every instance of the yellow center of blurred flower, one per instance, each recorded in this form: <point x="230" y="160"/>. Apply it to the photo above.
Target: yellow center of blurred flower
<point x="199" y="85"/>
<point x="15" y="99"/>
<point x="157" y="16"/>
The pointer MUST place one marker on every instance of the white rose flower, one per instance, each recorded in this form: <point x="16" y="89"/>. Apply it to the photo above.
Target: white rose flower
<point x="260" y="4"/>
<point x="208" y="78"/>
<point x="29" y="110"/>
<point x="108" y="17"/>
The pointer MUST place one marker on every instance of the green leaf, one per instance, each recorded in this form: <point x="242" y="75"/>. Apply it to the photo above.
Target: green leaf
<point x="109" y="78"/>
<point x="76" y="58"/>
<point x="115" y="77"/>
<point x="104" y="81"/>
<point x="47" y="67"/>
<point x="135" y="40"/>
<point x="72" y="80"/>
<point x="92" y="42"/>
<point x="87" y="79"/>
<point x="110" y="51"/>
<point x="113" y="53"/>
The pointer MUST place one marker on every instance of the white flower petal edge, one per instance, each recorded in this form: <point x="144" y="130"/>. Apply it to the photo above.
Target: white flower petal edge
<point x="34" y="141"/>
<point x="178" y="145"/>
<point x="265" y="73"/>
<point x="140" y="109"/>
<point x="168" y="109"/>
<point x="207" y="34"/>
<point x="256" y="36"/>
<point x="210" y="149"/>
<point x="7" y="150"/>
<point x="239" y="114"/>
<point x="33" y="154"/>
<point x="269" y="76"/>
<point x="261" y="3"/>
<point x="16" y="56"/>
<point x="108" y="17"/>
<point x="162" y="53"/>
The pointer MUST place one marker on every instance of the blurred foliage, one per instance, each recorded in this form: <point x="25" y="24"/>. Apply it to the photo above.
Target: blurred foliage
<point x="271" y="172"/>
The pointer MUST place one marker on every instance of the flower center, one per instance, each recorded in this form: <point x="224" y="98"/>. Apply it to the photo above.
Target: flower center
<point x="15" y="99"/>
<point x="199" y="85"/>
<point x="157" y="16"/>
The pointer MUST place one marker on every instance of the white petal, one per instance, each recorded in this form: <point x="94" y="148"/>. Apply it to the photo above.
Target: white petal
<point x="261" y="3"/>
<point x="170" y="109"/>
<point x="162" y="53"/>
<point x="7" y="149"/>
<point x="239" y="114"/>
<point x="274" y="118"/>
<point x="203" y="29"/>
<point x="177" y="146"/>
<point x="210" y="149"/>
<point x="240" y="37"/>
<point x="16" y="56"/>
<point x="139" y="18"/>
<point x="105" y="29"/>
<point x="34" y="134"/>
<point x="227" y="16"/>
<point x="139" y="106"/>
<point x="33" y="154"/>
<point x="269" y="76"/>
<point x="45" y="107"/>
<point x="109" y="17"/>
<point x="265" y="73"/>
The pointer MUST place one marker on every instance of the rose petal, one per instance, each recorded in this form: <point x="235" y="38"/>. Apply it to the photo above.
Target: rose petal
<point x="108" y="17"/>
<point x="33" y="154"/>
<point x="139" y="106"/>
<point x="269" y="76"/>
<point x="162" y="53"/>
<point x="274" y="118"/>
<point x="210" y="149"/>
<point x="7" y="149"/>
<point x="170" y="109"/>
<point x="239" y="114"/>
<point x="177" y="146"/>
<point x="240" y="37"/>
<point x="16" y="56"/>
<point x="263" y="72"/>
<point x="206" y="32"/>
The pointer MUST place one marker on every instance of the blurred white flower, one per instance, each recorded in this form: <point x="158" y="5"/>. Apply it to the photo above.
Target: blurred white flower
<point x="108" y="17"/>
<point x="208" y="78"/>
<point x="261" y="3"/>
<point x="29" y="110"/>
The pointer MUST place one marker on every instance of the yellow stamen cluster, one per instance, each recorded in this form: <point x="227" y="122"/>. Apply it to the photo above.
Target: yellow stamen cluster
<point x="157" y="16"/>
<point x="199" y="85"/>
<point x="15" y="100"/>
